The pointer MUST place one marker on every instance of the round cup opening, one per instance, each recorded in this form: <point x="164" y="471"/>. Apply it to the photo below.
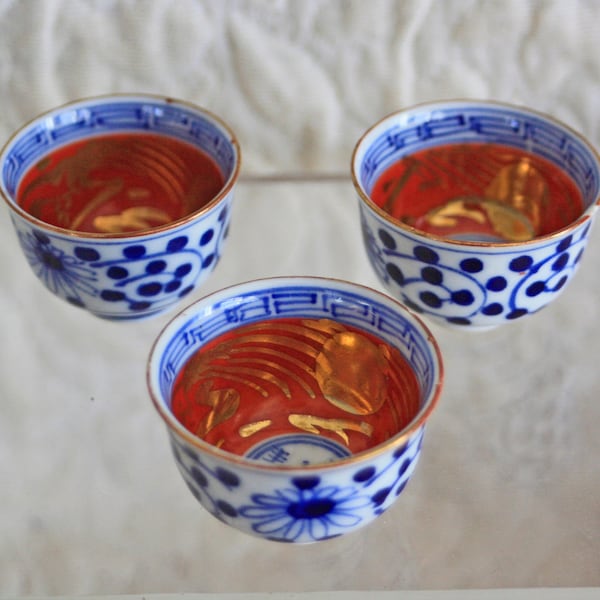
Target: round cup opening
<point x="477" y="172"/>
<point x="118" y="165"/>
<point x="294" y="375"/>
<point x="296" y="390"/>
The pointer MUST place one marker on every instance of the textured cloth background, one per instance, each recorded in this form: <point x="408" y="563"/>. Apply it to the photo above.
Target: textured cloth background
<point x="300" y="80"/>
<point x="507" y="492"/>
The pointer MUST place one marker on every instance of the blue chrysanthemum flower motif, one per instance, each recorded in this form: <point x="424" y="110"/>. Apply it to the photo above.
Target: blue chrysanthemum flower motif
<point x="63" y="274"/>
<point x="306" y="511"/>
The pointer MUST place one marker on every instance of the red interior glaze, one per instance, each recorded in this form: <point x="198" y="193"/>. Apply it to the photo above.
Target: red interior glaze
<point x="291" y="376"/>
<point x="119" y="182"/>
<point x="483" y="191"/>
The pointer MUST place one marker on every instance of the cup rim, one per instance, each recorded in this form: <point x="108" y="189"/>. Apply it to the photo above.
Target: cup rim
<point x="396" y="441"/>
<point x="492" y="245"/>
<point x="132" y="97"/>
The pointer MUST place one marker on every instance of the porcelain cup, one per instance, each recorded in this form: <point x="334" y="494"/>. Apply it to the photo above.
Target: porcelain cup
<point x="116" y="273"/>
<point x="476" y="278"/>
<point x="281" y="451"/>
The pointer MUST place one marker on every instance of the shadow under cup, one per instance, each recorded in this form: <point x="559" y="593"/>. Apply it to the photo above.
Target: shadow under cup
<point x="475" y="213"/>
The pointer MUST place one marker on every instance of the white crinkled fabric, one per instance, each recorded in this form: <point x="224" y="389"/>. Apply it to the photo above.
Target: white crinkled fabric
<point x="507" y="493"/>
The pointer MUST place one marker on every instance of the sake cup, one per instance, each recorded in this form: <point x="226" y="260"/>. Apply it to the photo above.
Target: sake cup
<point x="295" y="425"/>
<point x="489" y="212"/>
<point x="123" y="235"/>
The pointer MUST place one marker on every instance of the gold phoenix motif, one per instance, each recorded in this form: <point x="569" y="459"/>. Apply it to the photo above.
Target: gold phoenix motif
<point x="315" y="364"/>
<point x="134" y="218"/>
<point x="511" y="203"/>
<point x="117" y="182"/>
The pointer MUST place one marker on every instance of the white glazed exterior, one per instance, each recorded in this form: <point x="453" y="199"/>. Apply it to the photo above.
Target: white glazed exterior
<point x="475" y="285"/>
<point x="273" y="500"/>
<point x="134" y="275"/>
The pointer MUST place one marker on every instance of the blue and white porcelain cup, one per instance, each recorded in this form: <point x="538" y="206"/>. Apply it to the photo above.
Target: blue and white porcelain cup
<point x="471" y="281"/>
<point x="306" y="484"/>
<point x="122" y="275"/>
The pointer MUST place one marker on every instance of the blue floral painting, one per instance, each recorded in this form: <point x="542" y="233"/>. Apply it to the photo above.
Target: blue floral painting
<point x="63" y="274"/>
<point x="308" y="509"/>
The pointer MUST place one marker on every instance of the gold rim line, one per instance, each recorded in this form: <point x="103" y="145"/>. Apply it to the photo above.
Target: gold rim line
<point x="208" y="114"/>
<point x="421" y="418"/>
<point x="365" y="198"/>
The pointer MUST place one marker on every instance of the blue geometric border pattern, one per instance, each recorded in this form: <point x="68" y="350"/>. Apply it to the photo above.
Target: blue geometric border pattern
<point x="139" y="114"/>
<point x="145" y="275"/>
<point x="306" y="507"/>
<point x="303" y="301"/>
<point x="283" y="449"/>
<point x="480" y="286"/>
<point x="471" y="123"/>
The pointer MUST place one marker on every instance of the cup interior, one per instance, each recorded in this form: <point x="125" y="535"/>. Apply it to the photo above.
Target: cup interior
<point x="481" y="172"/>
<point x="294" y="372"/>
<point x="118" y="164"/>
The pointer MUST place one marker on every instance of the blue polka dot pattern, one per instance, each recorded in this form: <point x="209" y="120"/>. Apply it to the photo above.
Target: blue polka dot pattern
<point x="142" y="277"/>
<point x="387" y="239"/>
<point x="134" y="252"/>
<point x="495" y="308"/>
<point x="561" y="262"/>
<point x="115" y="272"/>
<point x="496" y="283"/>
<point x="462" y="297"/>
<point x="395" y="273"/>
<point x="85" y="254"/>
<point x="364" y="474"/>
<point x="183" y="270"/>
<point x="536" y="288"/>
<point x="269" y="492"/>
<point x="471" y="265"/>
<point x="208" y="261"/>
<point x="150" y="289"/>
<point x="173" y="285"/>
<point x="156" y="266"/>
<point x="477" y="283"/>
<point x="521" y="263"/>
<point x="425" y="254"/>
<point x="302" y="508"/>
<point x="112" y="295"/>
<point x="430" y="299"/>
<point x="566" y="242"/>
<point x="177" y="244"/>
<point x="206" y="237"/>
<point x="475" y="287"/>
<point x="228" y="478"/>
<point x="124" y="276"/>
<point x="432" y="275"/>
